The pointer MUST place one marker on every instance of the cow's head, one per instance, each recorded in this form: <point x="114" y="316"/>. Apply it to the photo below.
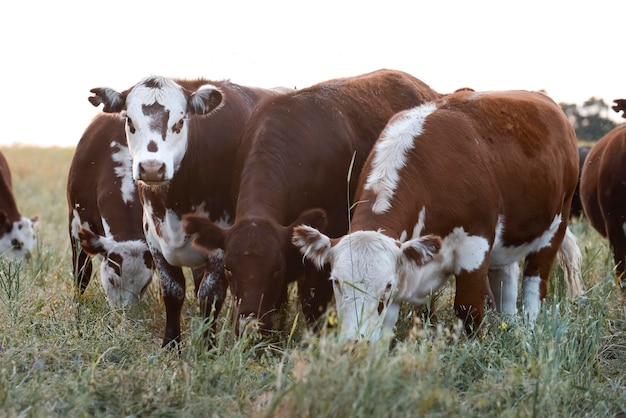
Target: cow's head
<point x="17" y="239"/>
<point x="157" y="112"/>
<point x="256" y="256"/>
<point x="367" y="269"/>
<point x="126" y="267"/>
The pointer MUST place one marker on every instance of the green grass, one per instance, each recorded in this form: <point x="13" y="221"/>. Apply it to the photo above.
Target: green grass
<point x="60" y="356"/>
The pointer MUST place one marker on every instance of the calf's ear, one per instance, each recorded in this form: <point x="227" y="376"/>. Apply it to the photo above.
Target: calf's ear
<point x="208" y="235"/>
<point x="205" y="100"/>
<point x="91" y="243"/>
<point x="111" y="100"/>
<point x="314" y="245"/>
<point x="421" y="250"/>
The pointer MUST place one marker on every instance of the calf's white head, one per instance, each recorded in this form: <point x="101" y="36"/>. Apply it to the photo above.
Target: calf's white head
<point x="157" y="111"/>
<point x="126" y="267"/>
<point x="367" y="269"/>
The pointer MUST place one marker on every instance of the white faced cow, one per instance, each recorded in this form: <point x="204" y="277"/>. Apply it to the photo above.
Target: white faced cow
<point x="183" y="163"/>
<point x="302" y="146"/>
<point x="17" y="232"/>
<point x="467" y="186"/>
<point x="105" y="216"/>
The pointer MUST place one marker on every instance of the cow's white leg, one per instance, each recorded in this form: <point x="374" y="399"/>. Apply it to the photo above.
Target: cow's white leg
<point x="503" y="282"/>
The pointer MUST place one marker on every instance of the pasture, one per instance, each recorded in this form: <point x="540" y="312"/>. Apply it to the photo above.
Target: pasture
<point x="66" y="356"/>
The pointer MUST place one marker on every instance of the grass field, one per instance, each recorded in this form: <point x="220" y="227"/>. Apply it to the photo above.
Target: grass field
<point x="62" y="356"/>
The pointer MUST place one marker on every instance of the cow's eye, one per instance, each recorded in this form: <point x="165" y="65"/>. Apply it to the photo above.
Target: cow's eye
<point x="178" y="126"/>
<point x="131" y="125"/>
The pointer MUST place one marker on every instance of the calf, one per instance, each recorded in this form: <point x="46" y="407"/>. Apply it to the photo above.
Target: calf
<point x="105" y="216"/>
<point x="305" y="150"/>
<point x="603" y="192"/>
<point x="467" y="186"/>
<point x="17" y="233"/>
<point x="183" y="163"/>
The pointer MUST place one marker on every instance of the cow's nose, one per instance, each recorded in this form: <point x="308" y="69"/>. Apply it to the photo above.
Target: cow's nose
<point x="16" y="244"/>
<point x="152" y="171"/>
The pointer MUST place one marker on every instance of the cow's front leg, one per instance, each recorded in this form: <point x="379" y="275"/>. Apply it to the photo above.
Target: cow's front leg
<point x="173" y="286"/>
<point x="211" y="287"/>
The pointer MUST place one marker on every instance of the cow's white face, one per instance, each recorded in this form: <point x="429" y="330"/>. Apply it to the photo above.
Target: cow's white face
<point x="18" y="239"/>
<point x="366" y="269"/>
<point x="157" y="112"/>
<point x="157" y="131"/>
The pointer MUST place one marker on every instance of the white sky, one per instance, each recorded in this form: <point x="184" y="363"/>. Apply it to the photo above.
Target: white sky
<point x="54" y="52"/>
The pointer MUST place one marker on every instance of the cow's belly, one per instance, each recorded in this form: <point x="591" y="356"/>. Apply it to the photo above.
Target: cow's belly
<point x="168" y="237"/>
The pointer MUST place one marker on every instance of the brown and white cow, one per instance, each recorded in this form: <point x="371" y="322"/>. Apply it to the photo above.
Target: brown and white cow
<point x="467" y="186"/>
<point x="302" y="147"/>
<point x="183" y="163"/>
<point x="105" y="215"/>
<point x="603" y="192"/>
<point x="17" y="232"/>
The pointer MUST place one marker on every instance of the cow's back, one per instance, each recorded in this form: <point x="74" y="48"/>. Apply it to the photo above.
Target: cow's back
<point x="100" y="183"/>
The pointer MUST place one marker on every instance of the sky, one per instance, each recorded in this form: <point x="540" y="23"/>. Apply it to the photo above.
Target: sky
<point x="54" y="52"/>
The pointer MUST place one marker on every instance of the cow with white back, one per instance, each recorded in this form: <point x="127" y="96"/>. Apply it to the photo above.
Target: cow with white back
<point x="17" y="232"/>
<point x="182" y="136"/>
<point x="466" y="186"/>
<point x="603" y="193"/>
<point x="105" y="215"/>
<point x="302" y="146"/>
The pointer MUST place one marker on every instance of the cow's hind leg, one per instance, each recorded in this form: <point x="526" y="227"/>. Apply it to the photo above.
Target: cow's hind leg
<point x="617" y="239"/>
<point x="503" y="281"/>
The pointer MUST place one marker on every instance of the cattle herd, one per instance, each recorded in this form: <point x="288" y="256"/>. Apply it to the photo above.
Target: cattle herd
<point x="369" y="190"/>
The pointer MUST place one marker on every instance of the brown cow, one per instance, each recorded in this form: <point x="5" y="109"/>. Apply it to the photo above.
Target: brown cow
<point x="105" y="216"/>
<point x="303" y="146"/>
<point x="17" y="233"/>
<point x="603" y="192"/>
<point x="183" y="163"/>
<point x="467" y="186"/>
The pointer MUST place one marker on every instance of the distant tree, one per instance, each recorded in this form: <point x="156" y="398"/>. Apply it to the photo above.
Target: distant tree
<point x="590" y="120"/>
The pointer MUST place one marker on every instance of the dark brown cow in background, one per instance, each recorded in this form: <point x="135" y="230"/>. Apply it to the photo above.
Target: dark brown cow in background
<point x="603" y="192"/>
<point x="577" y="206"/>
<point x="105" y="216"/>
<point x="467" y="186"/>
<point x="183" y="163"/>
<point x="17" y="233"/>
<point x="299" y="153"/>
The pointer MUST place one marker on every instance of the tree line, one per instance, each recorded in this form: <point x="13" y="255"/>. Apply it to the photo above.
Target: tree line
<point x="591" y="119"/>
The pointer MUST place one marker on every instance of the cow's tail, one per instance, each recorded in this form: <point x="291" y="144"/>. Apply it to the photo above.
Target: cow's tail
<point x="570" y="258"/>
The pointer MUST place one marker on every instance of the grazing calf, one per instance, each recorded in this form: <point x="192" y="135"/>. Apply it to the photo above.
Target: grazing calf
<point x="17" y="233"/>
<point x="183" y="163"/>
<point x="467" y="186"/>
<point x="301" y="149"/>
<point x="105" y="216"/>
<point x="577" y="206"/>
<point x="603" y="192"/>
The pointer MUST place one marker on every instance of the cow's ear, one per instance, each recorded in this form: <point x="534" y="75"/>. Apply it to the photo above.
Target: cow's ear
<point x="207" y="235"/>
<point x="205" y="100"/>
<point x="620" y="105"/>
<point x="91" y="243"/>
<point x="314" y="245"/>
<point x="112" y="101"/>
<point x="421" y="250"/>
<point x="312" y="217"/>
